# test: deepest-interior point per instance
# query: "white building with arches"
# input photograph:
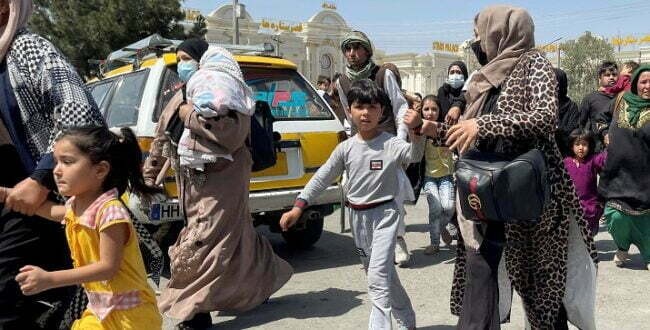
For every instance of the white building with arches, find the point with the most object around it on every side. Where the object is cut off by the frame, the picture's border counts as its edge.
(314, 45)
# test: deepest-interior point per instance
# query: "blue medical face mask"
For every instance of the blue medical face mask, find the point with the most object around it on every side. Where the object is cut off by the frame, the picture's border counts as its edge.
(456, 80)
(186, 69)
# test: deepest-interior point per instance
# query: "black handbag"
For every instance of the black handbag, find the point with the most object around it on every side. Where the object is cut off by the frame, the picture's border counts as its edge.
(495, 187)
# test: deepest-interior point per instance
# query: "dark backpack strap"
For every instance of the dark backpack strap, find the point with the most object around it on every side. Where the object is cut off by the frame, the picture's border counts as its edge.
(184, 90)
(346, 83)
(380, 76)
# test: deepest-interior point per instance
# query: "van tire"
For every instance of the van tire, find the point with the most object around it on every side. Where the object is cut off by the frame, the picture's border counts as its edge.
(305, 237)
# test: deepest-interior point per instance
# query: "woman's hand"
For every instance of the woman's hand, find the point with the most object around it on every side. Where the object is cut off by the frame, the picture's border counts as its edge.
(26, 197)
(33, 280)
(412, 119)
(290, 218)
(463, 135)
(452, 116)
(185, 110)
(429, 128)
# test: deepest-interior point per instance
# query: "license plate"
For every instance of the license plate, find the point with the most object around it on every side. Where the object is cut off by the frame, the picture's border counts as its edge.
(165, 212)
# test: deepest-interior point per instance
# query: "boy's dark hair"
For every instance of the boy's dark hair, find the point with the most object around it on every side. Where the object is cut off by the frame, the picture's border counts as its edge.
(607, 66)
(418, 95)
(323, 79)
(365, 91)
(433, 98)
(122, 154)
(582, 135)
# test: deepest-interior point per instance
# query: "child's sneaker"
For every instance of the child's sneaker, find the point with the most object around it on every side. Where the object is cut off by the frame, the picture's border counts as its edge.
(431, 249)
(402, 255)
(620, 258)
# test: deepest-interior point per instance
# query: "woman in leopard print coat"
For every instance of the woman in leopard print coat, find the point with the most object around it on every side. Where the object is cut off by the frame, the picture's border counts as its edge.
(551, 264)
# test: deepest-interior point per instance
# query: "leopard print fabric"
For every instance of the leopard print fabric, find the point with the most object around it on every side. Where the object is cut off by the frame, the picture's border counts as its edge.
(535, 255)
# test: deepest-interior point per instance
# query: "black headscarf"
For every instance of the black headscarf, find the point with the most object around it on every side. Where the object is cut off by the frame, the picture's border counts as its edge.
(450, 97)
(568, 113)
(194, 47)
(462, 66)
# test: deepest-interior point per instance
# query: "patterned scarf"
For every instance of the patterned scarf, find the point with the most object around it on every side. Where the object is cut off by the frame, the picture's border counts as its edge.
(361, 74)
(635, 103)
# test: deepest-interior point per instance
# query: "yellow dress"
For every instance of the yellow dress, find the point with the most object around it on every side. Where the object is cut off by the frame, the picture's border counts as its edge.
(439, 161)
(126, 301)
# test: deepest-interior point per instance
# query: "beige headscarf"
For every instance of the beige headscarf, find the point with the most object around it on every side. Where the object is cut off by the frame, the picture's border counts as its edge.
(506, 33)
(19, 13)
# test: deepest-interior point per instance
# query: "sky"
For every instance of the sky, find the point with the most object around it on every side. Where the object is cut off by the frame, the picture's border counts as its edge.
(397, 26)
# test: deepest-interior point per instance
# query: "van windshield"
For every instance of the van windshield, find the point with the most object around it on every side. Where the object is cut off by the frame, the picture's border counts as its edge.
(288, 94)
(119, 98)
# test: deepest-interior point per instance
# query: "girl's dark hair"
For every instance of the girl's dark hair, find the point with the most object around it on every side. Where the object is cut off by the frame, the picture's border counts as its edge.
(435, 100)
(122, 154)
(365, 91)
(585, 135)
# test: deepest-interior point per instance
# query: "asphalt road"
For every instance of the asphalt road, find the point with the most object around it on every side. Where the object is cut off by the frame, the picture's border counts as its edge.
(328, 289)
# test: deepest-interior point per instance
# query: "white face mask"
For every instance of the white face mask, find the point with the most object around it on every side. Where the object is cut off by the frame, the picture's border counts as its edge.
(456, 80)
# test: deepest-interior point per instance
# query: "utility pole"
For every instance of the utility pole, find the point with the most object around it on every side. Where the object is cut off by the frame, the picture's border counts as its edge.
(559, 64)
(235, 22)
(277, 44)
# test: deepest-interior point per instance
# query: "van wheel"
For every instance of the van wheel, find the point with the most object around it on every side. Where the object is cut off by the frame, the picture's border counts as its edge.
(305, 237)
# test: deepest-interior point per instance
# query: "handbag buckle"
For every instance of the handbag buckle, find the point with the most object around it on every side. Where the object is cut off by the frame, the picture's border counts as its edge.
(474, 202)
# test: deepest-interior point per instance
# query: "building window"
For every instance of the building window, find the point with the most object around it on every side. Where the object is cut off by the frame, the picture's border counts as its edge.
(325, 62)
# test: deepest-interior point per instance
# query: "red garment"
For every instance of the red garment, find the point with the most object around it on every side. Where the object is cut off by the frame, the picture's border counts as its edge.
(623, 83)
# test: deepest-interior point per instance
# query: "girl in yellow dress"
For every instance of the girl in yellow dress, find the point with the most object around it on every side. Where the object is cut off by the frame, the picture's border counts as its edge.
(94, 167)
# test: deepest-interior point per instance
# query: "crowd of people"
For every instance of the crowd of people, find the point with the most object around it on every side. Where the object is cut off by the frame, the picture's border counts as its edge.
(62, 163)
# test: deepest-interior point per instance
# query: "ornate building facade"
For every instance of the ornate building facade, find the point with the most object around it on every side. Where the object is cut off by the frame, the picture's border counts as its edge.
(314, 45)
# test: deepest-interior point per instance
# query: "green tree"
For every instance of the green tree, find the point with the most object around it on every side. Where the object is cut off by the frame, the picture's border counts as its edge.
(199, 29)
(581, 60)
(90, 29)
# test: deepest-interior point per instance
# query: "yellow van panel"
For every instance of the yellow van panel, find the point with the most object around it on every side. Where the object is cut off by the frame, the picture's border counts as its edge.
(281, 184)
(169, 183)
(317, 147)
(265, 61)
(280, 167)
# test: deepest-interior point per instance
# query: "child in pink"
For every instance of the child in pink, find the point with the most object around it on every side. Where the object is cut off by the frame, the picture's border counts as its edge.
(583, 167)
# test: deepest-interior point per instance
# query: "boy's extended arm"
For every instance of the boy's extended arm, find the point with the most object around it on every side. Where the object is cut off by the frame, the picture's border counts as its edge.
(325, 176)
(410, 152)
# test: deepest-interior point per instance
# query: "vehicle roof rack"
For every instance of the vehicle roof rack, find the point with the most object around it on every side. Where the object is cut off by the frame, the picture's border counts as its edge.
(155, 46)
(266, 48)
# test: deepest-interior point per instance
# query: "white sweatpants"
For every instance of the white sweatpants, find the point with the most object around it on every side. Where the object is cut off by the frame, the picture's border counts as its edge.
(374, 231)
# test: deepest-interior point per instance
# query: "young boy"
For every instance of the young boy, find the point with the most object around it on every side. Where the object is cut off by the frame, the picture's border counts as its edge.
(596, 103)
(370, 159)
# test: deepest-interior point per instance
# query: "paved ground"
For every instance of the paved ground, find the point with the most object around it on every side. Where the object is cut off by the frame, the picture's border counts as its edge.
(328, 290)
